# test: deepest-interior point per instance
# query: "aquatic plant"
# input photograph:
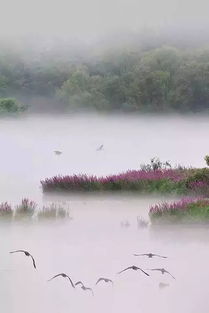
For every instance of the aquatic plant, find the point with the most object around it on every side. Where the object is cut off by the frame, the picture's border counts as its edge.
(186, 208)
(158, 180)
(52, 211)
(5, 209)
(141, 222)
(26, 207)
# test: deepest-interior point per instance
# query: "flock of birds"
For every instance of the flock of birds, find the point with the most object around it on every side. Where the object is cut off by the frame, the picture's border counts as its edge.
(100, 148)
(103, 279)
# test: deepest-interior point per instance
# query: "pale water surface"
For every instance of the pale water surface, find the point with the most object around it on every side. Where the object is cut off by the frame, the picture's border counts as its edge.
(94, 242)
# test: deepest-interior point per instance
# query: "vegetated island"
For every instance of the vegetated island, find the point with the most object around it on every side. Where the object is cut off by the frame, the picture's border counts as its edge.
(156, 177)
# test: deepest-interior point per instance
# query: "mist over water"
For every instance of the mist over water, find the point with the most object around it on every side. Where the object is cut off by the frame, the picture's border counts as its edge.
(28, 146)
(94, 242)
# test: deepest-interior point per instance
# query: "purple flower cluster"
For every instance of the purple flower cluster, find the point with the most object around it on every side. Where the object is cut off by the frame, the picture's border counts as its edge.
(177, 206)
(198, 185)
(5, 208)
(76, 182)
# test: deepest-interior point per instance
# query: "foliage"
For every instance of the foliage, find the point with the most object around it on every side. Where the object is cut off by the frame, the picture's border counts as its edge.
(10, 105)
(207, 159)
(155, 164)
(157, 78)
(159, 180)
(5, 209)
(26, 207)
(186, 209)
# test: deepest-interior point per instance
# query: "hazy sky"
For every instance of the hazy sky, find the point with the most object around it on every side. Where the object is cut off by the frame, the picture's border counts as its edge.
(92, 17)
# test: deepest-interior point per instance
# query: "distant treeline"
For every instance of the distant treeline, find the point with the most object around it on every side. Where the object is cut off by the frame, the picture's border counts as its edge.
(153, 79)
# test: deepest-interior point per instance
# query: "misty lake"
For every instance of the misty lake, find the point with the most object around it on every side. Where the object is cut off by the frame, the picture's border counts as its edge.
(102, 233)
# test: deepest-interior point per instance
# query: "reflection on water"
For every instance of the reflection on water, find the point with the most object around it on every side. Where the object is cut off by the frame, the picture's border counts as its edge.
(104, 231)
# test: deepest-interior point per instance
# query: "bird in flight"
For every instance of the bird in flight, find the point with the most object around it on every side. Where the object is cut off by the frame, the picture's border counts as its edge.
(84, 287)
(135, 268)
(162, 270)
(27, 254)
(151, 255)
(65, 276)
(106, 280)
(57, 152)
(100, 148)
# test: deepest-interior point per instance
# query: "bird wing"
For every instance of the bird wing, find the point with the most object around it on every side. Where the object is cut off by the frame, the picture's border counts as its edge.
(170, 274)
(55, 276)
(18, 251)
(100, 279)
(140, 254)
(89, 290)
(79, 283)
(71, 281)
(128, 268)
(34, 263)
(143, 271)
(155, 269)
(160, 256)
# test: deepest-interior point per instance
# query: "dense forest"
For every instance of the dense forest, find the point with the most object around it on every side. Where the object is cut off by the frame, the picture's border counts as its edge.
(146, 78)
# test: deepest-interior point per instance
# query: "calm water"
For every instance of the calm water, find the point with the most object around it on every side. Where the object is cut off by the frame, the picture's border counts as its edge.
(94, 242)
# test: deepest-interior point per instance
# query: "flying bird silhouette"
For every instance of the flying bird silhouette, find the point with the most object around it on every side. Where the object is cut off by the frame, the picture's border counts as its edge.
(83, 287)
(151, 255)
(162, 270)
(100, 148)
(135, 268)
(65, 276)
(27, 254)
(106, 280)
(79, 283)
(57, 152)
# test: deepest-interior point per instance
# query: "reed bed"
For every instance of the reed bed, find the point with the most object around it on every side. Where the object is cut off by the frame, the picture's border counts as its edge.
(141, 180)
(182, 181)
(28, 209)
(190, 209)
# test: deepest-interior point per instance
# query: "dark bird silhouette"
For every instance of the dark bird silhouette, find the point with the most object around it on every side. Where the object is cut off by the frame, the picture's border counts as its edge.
(135, 268)
(83, 287)
(65, 276)
(151, 255)
(100, 148)
(87, 288)
(27, 254)
(79, 283)
(162, 270)
(106, 280)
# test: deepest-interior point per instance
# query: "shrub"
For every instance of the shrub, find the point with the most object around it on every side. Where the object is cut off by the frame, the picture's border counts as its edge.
(10, 105)
(207, 159)
(155, 164)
